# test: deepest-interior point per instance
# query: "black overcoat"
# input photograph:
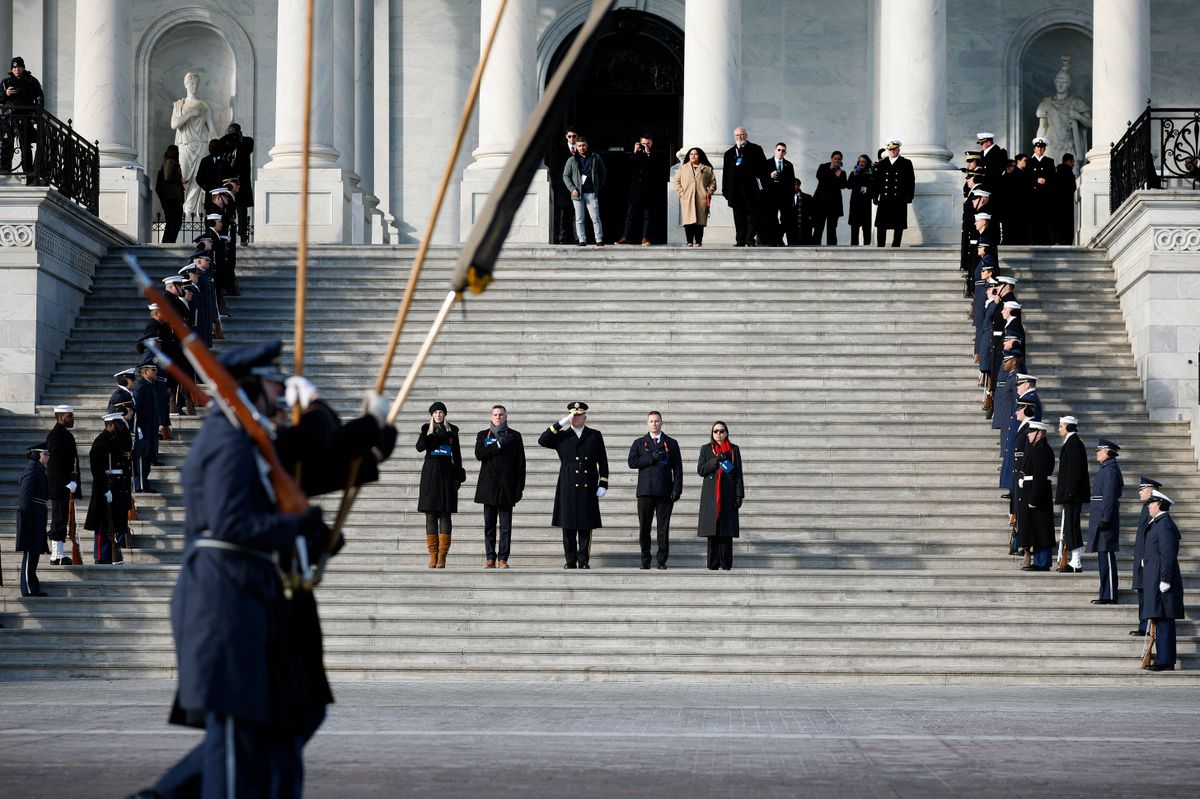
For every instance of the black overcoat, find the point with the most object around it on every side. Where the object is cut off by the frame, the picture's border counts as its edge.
(441, 473)
(501, 467)
(32, 510)
(1104, 513)
(647, 173)
(63, 467)
(733, 490)
(583, 467)
(1073, 488)
(239, 164)
(1037, 529)
(862, 192)
(829, 190)
(105, 456)
(895, 187)
(326, 449)
(741, 183)
(1162, 566)
(660, 466)
(1139, 545)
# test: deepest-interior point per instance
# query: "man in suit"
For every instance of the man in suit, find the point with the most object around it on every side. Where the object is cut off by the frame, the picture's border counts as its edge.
(501, 455)
(564, 209)
(645, 175)
(802, 218)
(660, 483)
(1164, 581)
(1146, 489)
(582, 481)
(1041, 194)
(779, 198)
(239, 164)
(211, 169)
(63, 475)
(831, 180)
(742, 177)
(1074, 489)
(1104, 519)
(897, 185)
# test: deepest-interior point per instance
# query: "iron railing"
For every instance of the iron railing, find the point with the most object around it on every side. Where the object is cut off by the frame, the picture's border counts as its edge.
(193, 225)
(60, 157)
(1160, 150)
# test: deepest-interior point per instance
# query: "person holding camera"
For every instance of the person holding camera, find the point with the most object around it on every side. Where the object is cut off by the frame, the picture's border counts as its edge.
(19, 90)
(831, 179)
(644, 171)
(441, 475)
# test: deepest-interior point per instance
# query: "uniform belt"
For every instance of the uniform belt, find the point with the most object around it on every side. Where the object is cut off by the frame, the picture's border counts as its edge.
(228, 546)
(114, 471)
(40, 501)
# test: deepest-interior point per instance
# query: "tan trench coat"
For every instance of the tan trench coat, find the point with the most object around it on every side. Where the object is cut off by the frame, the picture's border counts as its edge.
(692, 188)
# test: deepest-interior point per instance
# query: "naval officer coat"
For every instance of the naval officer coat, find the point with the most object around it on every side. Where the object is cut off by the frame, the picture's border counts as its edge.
(583, 467)
(1104, 513)
(895, 186)
(1162, 566)
(1139, 545)
(33, 510)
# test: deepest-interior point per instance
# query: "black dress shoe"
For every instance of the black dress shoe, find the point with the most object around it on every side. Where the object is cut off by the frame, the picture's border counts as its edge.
(645, 566)
(1104, 601)
(39, 593)
(1033, 568)
(1161, 667)
(569, 566)
(662, 566)
(1137, 632)
(1069, 570)
(584, 566)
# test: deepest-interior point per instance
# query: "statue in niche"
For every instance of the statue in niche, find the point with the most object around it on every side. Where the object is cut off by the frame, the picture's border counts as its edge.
(192, 121)
(1063, 119)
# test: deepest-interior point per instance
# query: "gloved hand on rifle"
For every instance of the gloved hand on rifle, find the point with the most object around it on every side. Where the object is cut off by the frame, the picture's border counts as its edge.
(316, 533)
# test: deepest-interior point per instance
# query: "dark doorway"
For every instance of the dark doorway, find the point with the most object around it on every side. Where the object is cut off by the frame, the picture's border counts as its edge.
(633, 86)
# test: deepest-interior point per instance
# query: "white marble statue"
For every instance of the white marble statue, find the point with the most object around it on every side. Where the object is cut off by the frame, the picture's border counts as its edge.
(192, 121)
(1063, 119)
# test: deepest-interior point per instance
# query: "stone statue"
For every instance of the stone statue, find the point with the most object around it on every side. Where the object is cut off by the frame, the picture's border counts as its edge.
(1063, 119)
(192, 121)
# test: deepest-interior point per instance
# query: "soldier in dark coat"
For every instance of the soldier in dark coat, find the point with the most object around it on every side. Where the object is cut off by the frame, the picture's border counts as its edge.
(1104, 519)
(501, 455)
(126, 378)
(659, 464)
(63, 474)
(744, 170)
(441, 475)
(896, 186)
(582, 481)
(1073, 491)
(721, 496)
(146, 424)
(1041, 194)
(32, 514)
(201, 319)
(108, 511)
(992, 160)
(1014, 199)
(1037, 497)
(1163, 602)
(1146, 488)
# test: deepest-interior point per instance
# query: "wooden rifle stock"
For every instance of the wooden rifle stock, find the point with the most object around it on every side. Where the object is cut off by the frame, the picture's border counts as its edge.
(178, 375)
(76, 555)
(1151, 636)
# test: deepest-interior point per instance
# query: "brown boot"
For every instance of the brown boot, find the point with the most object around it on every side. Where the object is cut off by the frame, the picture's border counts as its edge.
(431, 543)
(443, 548)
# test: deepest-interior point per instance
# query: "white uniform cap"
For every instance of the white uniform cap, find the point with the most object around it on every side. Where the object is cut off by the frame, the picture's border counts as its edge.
(980, 193)
(982, 136)
(130, 371)
(63, 409)
(169, 279)
(1039, 140)
(1023, 378)
(1160, 495)
(1039, 426)
(111, 417)
(1068, 420)
(152, 306)
(983, 215)
(1012, 306)
(892, 143)
(214, 217)
(1012, 281)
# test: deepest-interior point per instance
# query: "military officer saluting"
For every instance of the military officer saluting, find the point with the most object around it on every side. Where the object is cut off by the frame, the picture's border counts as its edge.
(1104, 519)
(896, 185)
(1146, 489)
(1163, 581)
(582, 481)
(108, 511)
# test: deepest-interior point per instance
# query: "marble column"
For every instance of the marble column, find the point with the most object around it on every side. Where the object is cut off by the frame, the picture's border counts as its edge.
(103, 110)
(344, 58)
(1121, 87)
(912, 108)
(277, 204)
(6, 30)
(364, 92)
(507, 96)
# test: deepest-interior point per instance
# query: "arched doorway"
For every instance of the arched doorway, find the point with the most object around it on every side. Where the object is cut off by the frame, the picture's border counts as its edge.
(633, 86)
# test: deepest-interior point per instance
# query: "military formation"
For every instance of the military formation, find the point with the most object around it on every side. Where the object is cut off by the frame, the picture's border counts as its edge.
(1002, 352)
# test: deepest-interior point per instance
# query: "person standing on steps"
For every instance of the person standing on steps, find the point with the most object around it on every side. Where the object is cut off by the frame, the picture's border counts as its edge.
(441, 475)
(584, 176)
(1104, 519)
(695, 184)
(1163, 602)
(582, 482)
(1073, 490)
(1146, 489)
(660, 483)
(1037, 496)
(861, 182)
(645, 174)
(831, 180)
(63, 474)
(108, 512)
(896, 186)
(742, 179)
(501, 455)
(778, 193)
(564, 215)
(721, 496)
(145, 437)
(32, 514)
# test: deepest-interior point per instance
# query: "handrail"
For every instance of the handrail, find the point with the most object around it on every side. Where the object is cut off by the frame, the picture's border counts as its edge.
(1160, 150)
(62, 158)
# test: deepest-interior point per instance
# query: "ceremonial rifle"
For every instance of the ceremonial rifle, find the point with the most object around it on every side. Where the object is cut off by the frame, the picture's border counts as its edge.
(1148, 651)
(178, 375)
(76, 555)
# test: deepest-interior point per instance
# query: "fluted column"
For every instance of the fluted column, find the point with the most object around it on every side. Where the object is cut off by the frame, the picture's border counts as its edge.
(712, 74)
(289, 86)
(1121, 87)
(364, 92)
(344, 63)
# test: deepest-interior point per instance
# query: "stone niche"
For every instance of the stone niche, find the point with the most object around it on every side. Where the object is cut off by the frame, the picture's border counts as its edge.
(1040, 62)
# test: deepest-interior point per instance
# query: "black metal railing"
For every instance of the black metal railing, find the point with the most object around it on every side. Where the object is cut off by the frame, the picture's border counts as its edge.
(193, 225)
(1161, 150)
(52, 154)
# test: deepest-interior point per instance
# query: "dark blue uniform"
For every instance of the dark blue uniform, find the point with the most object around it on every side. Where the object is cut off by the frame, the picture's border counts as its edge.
(1139, 553)
(1162, 566)
(32, 514)
(583, 467)
(660, 484)
(1104, 525)
(145, 438)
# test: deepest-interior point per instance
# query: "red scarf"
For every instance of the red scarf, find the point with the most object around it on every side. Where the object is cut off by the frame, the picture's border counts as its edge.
(718, 450)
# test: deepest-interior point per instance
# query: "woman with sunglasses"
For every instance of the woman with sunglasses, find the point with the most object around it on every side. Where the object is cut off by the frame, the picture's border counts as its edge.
(720, 496)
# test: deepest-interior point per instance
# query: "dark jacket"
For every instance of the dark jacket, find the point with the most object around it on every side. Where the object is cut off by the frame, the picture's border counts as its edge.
(860, 200)
(32, 510)
(106, 456)
(741, 183)
(120, 394)
(63, 467)
(326, 449)
(145, 408)
(239, 163)
(29, 90)
(1139, 545)
(1162, 566)
(660, 466)
(829, 191)
(210, 173)
(501, 467)
(993, 163)
(783, 188)
(583, 467)
(733, 490)
(442, 472)
(1073, 488)
(895, 186)
(1104, 514)
(1037, 495)
(168, 185)
(647, 173)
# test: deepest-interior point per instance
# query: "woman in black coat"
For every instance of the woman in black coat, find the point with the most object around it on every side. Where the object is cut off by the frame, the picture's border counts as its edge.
(168, 185)
(32, 515)
(441, 475)
(720, 496)
(861, 183)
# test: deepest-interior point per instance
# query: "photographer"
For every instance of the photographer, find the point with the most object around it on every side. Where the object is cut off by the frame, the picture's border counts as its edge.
(19, 90)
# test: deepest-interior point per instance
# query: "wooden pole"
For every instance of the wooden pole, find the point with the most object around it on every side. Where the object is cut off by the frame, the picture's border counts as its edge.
(302, 244)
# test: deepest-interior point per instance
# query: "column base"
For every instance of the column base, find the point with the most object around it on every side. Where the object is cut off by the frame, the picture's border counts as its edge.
(1094, 193)
(935, 216)
(331, 216)
(531, 225)
(125, 200)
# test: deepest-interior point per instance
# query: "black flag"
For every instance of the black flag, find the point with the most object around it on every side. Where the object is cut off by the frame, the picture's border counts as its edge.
(478, 256)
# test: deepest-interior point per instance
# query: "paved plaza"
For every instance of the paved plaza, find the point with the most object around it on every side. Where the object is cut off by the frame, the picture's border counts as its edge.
(96, 738)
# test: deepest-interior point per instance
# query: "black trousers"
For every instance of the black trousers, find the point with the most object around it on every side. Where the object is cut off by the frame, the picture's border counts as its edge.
(577, 546)
(173, 216)
(22, 130)
(897, 235)
(29, 578)
(720, 552)
(438, 524)
(694, 233)
(650, 508)
(491, 515)
(143, 458)
(243, 222)
(58, 519)
(866, 235)
(564, 221)
(640, 208)
(745, 223)
(1108, 574)
(831, 223)
(1072, 536)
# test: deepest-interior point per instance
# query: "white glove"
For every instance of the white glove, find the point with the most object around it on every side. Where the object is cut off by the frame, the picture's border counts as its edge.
(601, 491)
(108, 496)
(71, 486)
(862, 189)
(300, 390)
(565, 422)
(1164, 587)
(376, 407)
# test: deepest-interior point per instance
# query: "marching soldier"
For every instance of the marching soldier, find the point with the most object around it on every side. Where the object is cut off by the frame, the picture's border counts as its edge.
(32, 513)
(63, 474)
(501, 455)
(1164, 583)
(897, 185)
(1074, 489)
(1146, 489)
(582, 481)
(1037, 497)
(145, 433)
(659, 463)
(1104, 519)
(108, 511)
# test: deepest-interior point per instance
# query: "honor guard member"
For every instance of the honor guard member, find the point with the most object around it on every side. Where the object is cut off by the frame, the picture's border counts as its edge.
(1006, 292)
(897, 186)
(659, 466)
(1014, 328)
(1073, 491)
(145, 432)
(501, 455)
(206, 263)
(63, 473)
(1041, 194)
(1006, 391)
(108, 511)
(1037, 497)
(126, 378)
(201, 321)
(582, 481)
(1014, 464)
(1146, 487)
(1104, 519)
(1163, 602)
(992, 159)
(986, 270)
(32, 514)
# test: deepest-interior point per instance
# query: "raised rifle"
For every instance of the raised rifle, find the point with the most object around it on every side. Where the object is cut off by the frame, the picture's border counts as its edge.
(1148, 650)
(178, 375)
(76, 555)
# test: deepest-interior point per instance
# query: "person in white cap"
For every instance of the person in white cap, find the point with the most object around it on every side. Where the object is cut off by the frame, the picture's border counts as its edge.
(992, 159)
(1074, 490)
(1041, 194)
(1162, 579)
(1037, 495)
(1104, 519)
(146, 424)
(63, 474)
(108, 512)
(896, 185)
